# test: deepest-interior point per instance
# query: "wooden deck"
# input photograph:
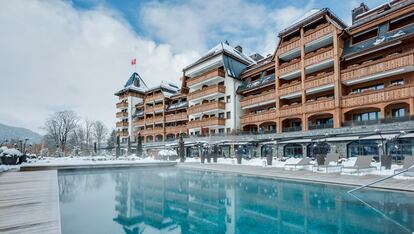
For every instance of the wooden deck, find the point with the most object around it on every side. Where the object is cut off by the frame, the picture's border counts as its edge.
(29, 202)
(303, 175)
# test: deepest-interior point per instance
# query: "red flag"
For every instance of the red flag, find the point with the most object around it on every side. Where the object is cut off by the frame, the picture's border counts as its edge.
(133, 61)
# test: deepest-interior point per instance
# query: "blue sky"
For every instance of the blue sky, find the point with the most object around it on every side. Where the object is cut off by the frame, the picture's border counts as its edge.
(75, 54)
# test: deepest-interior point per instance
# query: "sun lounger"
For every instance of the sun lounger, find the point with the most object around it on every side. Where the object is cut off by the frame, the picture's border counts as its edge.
(304, 162)
(331, 164)
(363, 163)
(408, 162)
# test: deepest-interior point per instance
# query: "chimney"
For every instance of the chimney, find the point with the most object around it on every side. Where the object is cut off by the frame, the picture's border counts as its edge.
(359, 10)
(239, 48)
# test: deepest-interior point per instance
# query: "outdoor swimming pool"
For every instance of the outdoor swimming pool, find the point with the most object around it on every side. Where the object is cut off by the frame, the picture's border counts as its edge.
(172, 200)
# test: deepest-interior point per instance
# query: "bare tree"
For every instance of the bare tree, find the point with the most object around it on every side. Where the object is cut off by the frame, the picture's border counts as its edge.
(99, 131)
(59, 126)
(88, 134)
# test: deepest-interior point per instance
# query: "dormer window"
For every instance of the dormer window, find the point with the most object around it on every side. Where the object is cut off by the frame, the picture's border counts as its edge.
(360, 37)
(401, 22)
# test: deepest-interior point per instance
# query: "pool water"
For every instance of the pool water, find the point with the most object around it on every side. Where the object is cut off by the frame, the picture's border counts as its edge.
(172, 200)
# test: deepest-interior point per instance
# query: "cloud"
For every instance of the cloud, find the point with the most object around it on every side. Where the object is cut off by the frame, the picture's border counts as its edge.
(56, 57)
(195, 23)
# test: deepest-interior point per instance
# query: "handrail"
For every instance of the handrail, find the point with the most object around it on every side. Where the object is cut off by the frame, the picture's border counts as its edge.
(382, 179)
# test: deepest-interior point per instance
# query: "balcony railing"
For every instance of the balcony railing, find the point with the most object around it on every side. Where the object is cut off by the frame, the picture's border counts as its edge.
(205, 77)
(122, 105)
(289, 67)
(155, 97)
(122, 133)
(257, 100)
(314, 34)
(213, 121)
(122, 124)
(378, 66)
(268, 115)
(156, 108)
(289, 45)
(204, 107)
(379, 121)
(319, 56)
(155, 120)
(176, 129)
(290, 110)
(320, 126)
(292, 129)
(122, 114)
(290, 88)
(176, 117)
(139, 122)
(319, 80)
(257, 83)
(207, 91)
(320, 105)
(378, 96)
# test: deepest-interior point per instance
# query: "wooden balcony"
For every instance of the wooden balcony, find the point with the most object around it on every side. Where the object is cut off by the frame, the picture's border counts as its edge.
(122, 124)
(320, 105)
(378, 96)
(289, 45)
(158, 131)
(318, 56)
(206, 122)
(206, 107)
(315, 34)
(176, 129)
(122, 105)
(155, 97)
(265, 116)
(378, 66)
(154, 120)
(205, 77)
(156, 108)
(122, 114)
(290, 110)
(139, 122)
(289, 67)
(257, 100)
(152, 131)
(207, 91)
(176, 117)
(122, 133)
(319, 80)
(290, 88)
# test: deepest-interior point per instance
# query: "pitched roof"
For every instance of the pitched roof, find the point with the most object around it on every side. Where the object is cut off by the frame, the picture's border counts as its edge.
(135, 84)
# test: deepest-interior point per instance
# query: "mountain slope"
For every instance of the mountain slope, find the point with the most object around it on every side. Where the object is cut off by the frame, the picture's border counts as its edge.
(10, 132)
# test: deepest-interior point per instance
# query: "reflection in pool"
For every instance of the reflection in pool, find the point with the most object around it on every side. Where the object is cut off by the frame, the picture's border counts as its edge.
(171, 200)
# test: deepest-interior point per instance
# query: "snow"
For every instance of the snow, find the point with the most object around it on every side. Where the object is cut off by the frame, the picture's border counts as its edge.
(222, 46)
(11, 152)
(305, 16)
(167, 153)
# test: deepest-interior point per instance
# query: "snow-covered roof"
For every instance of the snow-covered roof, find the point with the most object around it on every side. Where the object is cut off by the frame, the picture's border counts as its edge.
(134, 83)
(223, 47)
(11, 152)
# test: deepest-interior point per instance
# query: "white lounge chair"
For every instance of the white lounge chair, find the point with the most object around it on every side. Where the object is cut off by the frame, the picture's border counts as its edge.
(330, 165)
(362, 164)
(303, 163)
(408, 162)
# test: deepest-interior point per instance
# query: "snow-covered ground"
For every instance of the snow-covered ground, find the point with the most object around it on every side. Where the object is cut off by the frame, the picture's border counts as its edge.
(260, 162)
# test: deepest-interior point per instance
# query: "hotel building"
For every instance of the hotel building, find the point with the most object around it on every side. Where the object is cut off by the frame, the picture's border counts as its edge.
(324, 78)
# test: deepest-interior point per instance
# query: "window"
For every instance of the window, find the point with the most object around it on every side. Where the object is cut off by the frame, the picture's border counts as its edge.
(212, 131)
(221, 99)
(293, 150)
(364, 36)
(228, 130)
(364, 147)
(221, 83)
(228, 115)
(367, 116)
(401, 22)
(399, 112)
(228, 99)
(368, 88)
(221, 130)
(221, 115)
(397, 82)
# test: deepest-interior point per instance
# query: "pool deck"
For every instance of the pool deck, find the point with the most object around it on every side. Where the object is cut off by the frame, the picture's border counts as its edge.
(303, 175)
(92, 165)
(29, 202)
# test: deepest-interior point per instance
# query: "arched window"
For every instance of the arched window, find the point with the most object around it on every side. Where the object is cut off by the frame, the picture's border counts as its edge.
(293, 150)
(364, 147)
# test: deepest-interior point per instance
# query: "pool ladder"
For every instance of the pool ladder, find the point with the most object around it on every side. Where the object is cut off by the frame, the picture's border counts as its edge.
(350, 192)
